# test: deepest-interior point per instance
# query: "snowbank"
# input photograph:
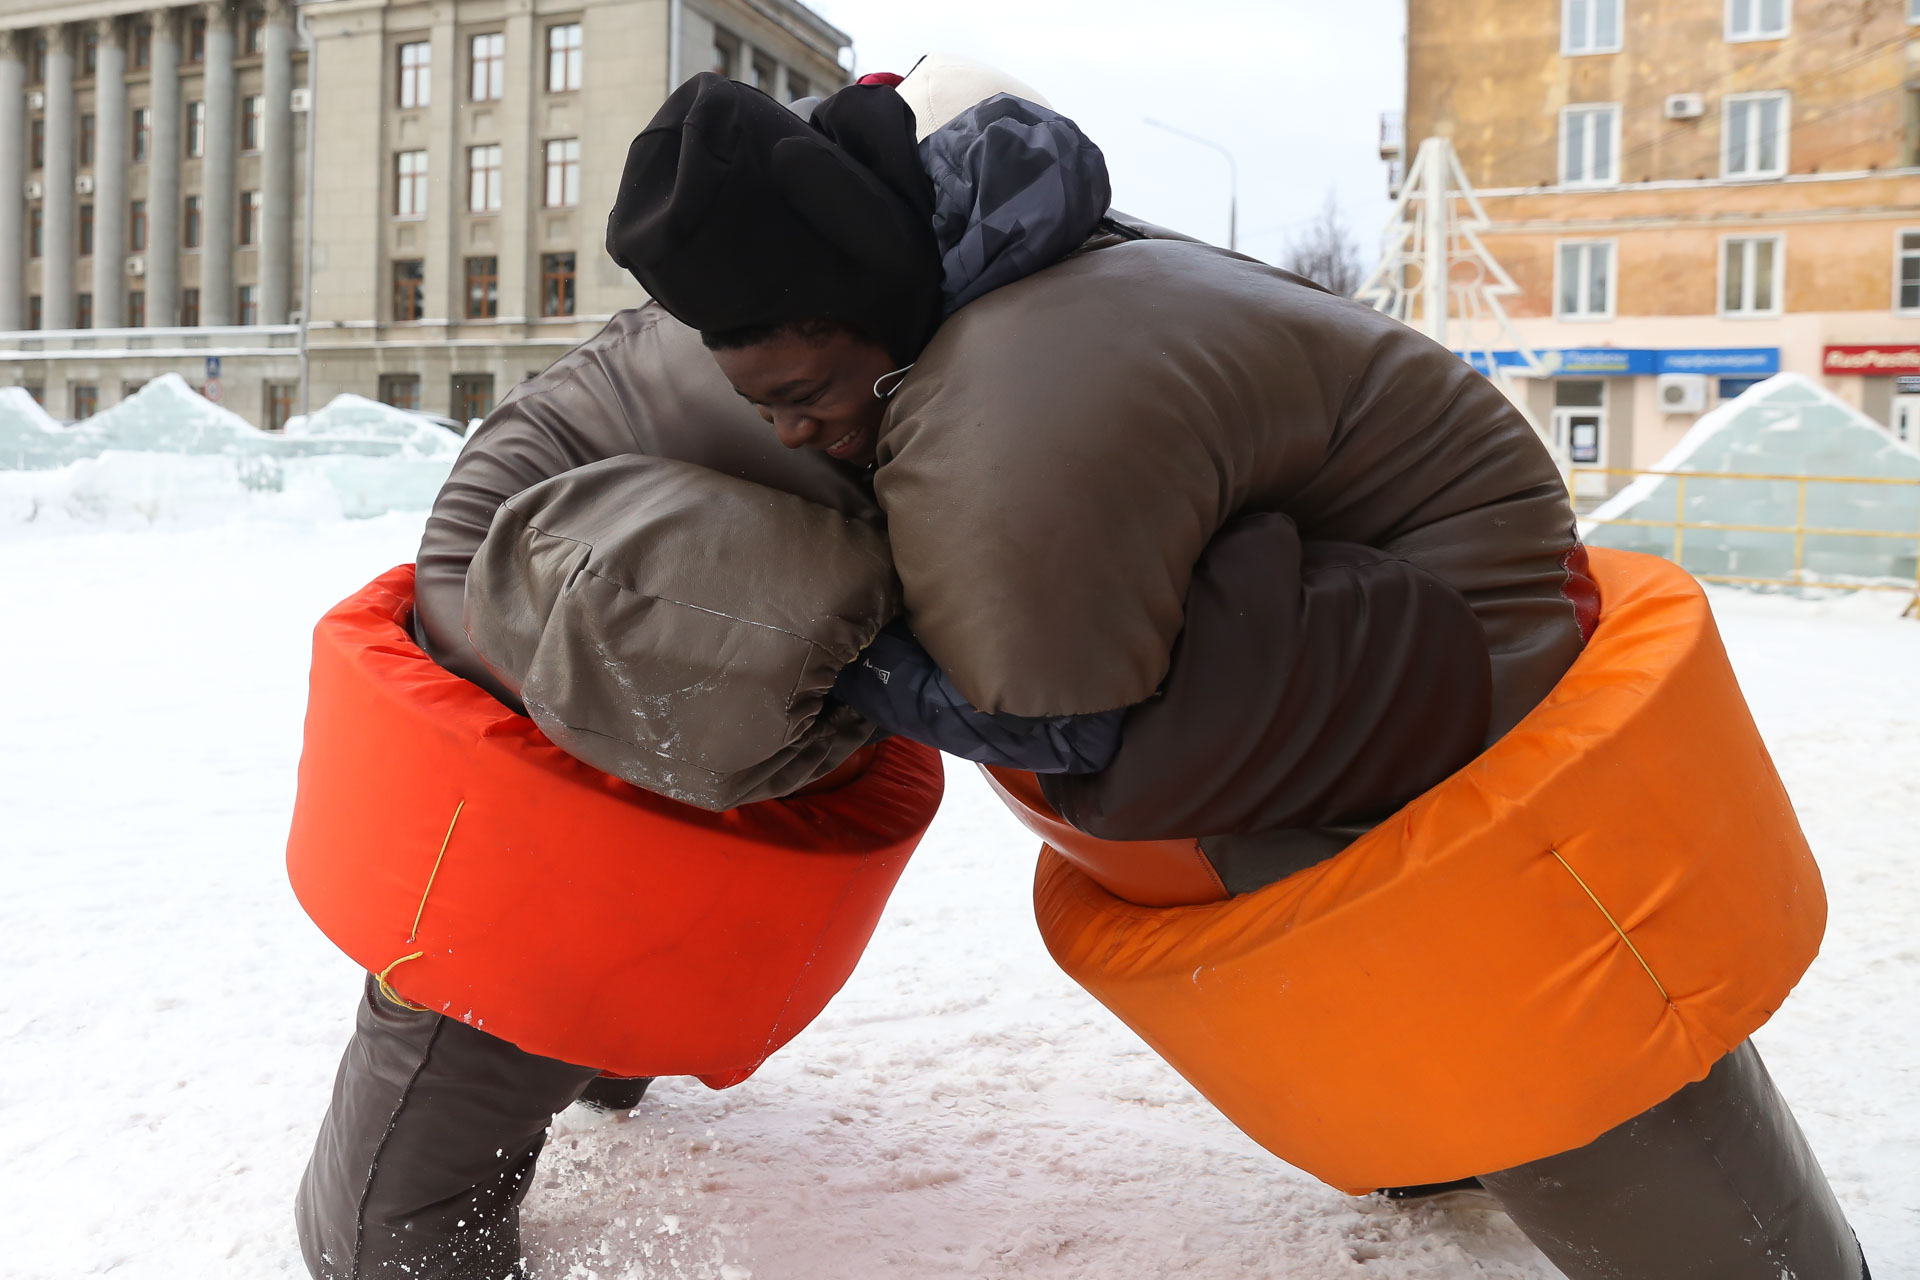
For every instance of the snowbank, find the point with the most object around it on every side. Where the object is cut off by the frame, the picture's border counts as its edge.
(167, 455)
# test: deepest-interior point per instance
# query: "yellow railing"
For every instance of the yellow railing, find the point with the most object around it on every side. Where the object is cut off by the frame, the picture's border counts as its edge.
(1800, 529)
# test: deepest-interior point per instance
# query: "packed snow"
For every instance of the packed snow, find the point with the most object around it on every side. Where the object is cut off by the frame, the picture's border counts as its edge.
(172, 1021)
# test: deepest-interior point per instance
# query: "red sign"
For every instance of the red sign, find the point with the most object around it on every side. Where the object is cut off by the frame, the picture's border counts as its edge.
(212, 390)
(1874, 362)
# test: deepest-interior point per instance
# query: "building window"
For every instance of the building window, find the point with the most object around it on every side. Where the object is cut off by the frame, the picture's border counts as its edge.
(90, 52)
(472, 395)
(190, 224)
(38, 390)
(142, 134)
(253, 31)
(253, 121)
(556, 284)
(249, 217)
(483, 288)
(196, 129)
(83, 311)
(86, 399)
(36, 231)
(1585, 280)
(410, 184)
(137, 226)
(1580, 420)
(1590, 145)
(726, 52)
(1913, 10)
(136, 309)
(87, 134)
(563, 173)
(798, 88)
(37, 143)
(1758, 19)
(190, 308)
(401, 390)
(279, 404)
(489, 55)
(761, 73)
(86, 233)
(196, 40)
(142, 46)
(483, 179)
(1753, 133)
(33, 314)
(1750, 275)
(249, 300)
(563, 58)
(416, 74)
(1907, 271)
(409, 289)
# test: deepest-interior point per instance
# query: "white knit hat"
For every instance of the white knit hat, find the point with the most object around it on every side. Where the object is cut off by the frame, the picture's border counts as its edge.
(942, 85)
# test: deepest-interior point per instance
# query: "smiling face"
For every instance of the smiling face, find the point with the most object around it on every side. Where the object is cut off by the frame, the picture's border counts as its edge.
(815, 385)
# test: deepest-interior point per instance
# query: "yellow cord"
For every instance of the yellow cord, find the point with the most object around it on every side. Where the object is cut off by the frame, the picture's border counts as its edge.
(1657, 985)
(386, 989)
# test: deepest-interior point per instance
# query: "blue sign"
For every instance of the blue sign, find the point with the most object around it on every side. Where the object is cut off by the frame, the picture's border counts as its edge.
(1747, 362)
(213, 367)
(1635, 362)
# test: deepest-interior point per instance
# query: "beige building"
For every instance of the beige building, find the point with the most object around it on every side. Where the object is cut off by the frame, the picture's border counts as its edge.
(464, 154)
(1690, 194)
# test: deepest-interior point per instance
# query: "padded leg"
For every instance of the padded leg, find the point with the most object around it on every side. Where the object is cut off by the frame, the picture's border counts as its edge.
(427, 1150)
(1715, 1183)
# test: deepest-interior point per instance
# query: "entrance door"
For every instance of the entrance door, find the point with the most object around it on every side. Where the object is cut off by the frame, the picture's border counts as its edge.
(1906, 419)
(1580, 431)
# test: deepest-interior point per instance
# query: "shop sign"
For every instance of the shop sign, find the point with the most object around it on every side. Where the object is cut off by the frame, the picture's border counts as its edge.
(1907, 384)
(1873, 362)
(1749, 362)
(1631, 362)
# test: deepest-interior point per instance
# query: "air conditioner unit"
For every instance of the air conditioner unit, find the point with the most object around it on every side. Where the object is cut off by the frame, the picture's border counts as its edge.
(35, 189)
(136, 265)
(302, 99)
(1686, 106)
(36, 101)
(83, 185)
(1681, 392)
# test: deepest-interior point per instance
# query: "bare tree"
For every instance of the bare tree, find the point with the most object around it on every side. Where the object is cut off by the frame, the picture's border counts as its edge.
(1324, 251)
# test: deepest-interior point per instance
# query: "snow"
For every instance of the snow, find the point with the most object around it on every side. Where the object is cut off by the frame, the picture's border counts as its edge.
(172, 1022)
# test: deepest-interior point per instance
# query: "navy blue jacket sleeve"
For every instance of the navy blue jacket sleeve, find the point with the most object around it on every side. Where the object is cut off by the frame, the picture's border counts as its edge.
(896, 685)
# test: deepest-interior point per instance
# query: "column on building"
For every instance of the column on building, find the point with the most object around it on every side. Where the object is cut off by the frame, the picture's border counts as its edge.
(110, 176)
(445, 282)
(163, 174)
(523, 175)
(13, 179)
(782, 88)
(220, 198)
(276, 184)
(57, 243)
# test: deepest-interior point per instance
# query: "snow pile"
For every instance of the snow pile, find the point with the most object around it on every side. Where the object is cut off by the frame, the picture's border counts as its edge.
(167, 455)
(1787, 425)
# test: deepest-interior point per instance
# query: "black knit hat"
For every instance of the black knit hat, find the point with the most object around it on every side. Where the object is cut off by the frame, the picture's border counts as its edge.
(735, 213)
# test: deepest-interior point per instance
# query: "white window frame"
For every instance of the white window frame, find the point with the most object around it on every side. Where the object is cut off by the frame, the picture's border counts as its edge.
(566, 57)
(1900, 254)
(1740, 101)
(1562, 426)
(415, 86)
(1612, 178)
(1779, 277)
(486, 66)
(1612, 248)
(560, 160)
(484, 184)
(410, 188)
(1567, 46)
(1754, 7)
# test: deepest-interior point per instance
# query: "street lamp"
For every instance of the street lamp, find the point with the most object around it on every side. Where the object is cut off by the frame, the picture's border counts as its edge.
(1233, 171)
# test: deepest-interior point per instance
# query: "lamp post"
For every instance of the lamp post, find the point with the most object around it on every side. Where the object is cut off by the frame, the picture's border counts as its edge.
(1233, 172)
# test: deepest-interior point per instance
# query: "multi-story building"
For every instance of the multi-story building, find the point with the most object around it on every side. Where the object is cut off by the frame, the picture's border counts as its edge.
(155, 172)
(1690, 195)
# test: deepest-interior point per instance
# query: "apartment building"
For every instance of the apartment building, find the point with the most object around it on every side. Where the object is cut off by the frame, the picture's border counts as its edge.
(154, 172)
(1691, 195)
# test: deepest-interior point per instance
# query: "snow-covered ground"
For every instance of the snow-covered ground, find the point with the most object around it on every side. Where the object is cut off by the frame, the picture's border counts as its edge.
(171, 1022)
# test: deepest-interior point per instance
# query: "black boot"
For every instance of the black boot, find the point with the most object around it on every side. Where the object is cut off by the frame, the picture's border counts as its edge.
(1715, 1183)
(615, 1093)
(1427, 1190)
(427, 1150)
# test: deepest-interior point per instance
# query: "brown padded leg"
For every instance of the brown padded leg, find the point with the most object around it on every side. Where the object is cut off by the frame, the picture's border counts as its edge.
(1715, 1183)
(427, 1150)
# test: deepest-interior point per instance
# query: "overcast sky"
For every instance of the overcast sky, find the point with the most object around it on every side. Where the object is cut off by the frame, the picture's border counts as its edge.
(1294, 88)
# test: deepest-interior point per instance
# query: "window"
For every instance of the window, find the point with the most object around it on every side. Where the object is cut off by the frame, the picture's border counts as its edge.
(279, 404)
(409, 290)
(1906, 278)
(83, 311)
(401, 390)
(410, 184)
(33, 315)
(1589, 145)
(190, 308)
(563, 173)
(1758, 19)
(1753, 135)
(1913, 10)
(136, 226)
(563, 58)
(136, 309)
(726, 52)
(1750, 275)
(196, 128)
(37, 143)
(249, 300)
(142, 134)
(489, 53)
(249, 217)
(798, 88)
(90, 52)
(197, 40)
(472, 395)
(253, 121)
(253, 28)
(36, 231)
(1584, 290)
(1580, 420)
(483, 179)
(416, 74)
(556, 284)
(86, 398)
(761, 73)
(142, 46)
(483, 289)
(38, 390)
(87, 135)
(190, 224)
(86, 233)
